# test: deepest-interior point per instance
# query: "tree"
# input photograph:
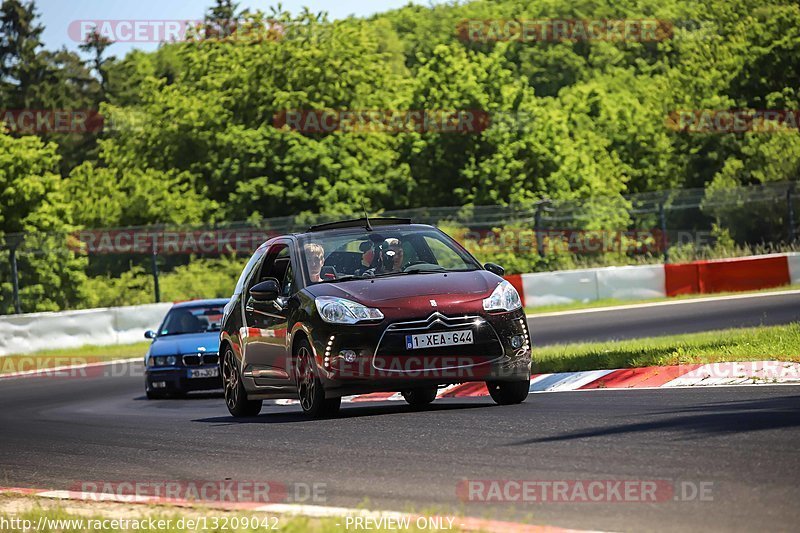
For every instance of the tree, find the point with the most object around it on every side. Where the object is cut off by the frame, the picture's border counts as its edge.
(96, 45)
(31, 193)
(21, 65)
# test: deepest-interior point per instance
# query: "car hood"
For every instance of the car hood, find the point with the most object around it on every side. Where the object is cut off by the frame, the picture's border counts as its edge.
(450, 287)
(186, 344)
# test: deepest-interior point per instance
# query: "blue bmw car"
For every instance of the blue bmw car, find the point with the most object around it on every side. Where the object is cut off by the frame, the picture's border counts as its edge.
(184, 355)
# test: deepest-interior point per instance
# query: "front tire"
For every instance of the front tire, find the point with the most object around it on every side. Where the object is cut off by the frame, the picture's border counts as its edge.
(508, 392)
(420, 397)
(309, 387)
(235, 395)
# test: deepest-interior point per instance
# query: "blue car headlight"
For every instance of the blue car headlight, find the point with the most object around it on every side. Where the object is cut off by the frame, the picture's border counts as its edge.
(162, 360)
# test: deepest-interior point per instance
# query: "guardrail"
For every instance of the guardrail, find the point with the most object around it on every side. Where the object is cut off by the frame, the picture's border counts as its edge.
(658, 281)
(20, 334)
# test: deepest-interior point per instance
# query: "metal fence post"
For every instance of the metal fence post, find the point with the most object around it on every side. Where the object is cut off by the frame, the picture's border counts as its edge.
(154, 263)
(537, 225)
(15, 278)
(790, 209)
(662, 216)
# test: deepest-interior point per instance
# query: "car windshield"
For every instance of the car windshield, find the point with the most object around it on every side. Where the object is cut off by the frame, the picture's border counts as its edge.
(196, 319)
(341, 255)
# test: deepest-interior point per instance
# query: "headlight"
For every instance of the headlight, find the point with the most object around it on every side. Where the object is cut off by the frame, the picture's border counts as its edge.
(340, 311)
(504, 298)
(161, 360)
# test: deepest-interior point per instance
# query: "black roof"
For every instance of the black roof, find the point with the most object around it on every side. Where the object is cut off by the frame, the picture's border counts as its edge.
(360, 223)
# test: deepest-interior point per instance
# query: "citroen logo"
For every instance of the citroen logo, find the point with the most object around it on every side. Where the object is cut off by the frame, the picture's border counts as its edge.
(433, 303)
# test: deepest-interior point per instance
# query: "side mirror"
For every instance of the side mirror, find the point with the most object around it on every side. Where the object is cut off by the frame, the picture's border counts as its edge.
(266, 291)
(495, 269)
(149, 334)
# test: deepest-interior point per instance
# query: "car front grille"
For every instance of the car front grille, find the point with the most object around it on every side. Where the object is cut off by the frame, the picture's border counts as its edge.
(201, 359)
(392, 344)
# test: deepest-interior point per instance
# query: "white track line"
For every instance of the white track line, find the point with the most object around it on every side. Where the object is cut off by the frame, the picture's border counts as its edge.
(665, 303)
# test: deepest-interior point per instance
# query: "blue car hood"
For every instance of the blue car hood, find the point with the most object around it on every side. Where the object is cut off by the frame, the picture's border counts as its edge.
(186, 344)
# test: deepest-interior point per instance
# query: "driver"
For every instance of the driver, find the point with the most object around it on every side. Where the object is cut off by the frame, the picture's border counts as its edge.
(392, 255)
(315, 257)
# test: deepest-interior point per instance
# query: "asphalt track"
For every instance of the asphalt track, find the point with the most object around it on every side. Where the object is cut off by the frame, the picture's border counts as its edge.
(669, 318)
(740, 441)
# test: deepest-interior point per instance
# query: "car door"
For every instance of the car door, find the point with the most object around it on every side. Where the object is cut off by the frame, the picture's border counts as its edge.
(266, 322)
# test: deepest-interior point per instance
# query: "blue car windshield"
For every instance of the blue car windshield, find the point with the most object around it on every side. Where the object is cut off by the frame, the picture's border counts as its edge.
(199, 319)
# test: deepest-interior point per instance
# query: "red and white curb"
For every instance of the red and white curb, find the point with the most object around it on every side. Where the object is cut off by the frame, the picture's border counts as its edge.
(311, 511)
(692, 375)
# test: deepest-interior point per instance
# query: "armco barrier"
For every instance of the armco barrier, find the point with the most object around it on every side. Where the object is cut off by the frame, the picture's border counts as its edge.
(20, 334)
(631, 282)
(746, 274)
(566, 286)
(741, 274)
(794, 267)
(655, 281)
(563, 286)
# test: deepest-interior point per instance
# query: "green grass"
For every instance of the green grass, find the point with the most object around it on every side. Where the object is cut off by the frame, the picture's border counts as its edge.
(746, 344)
(70, 356)
(612, 302)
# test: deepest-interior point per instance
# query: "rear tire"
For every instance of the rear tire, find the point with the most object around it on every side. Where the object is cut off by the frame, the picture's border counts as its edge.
(235, 395)
(508, 392)
(420, 397)
(309, 388)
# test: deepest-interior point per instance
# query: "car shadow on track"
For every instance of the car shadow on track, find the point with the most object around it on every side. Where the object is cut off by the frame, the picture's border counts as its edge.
(700, 421)
(346, 412)
(188, 397)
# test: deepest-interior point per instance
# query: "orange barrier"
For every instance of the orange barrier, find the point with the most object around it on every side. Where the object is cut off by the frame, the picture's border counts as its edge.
(746, 274)
(681, 279)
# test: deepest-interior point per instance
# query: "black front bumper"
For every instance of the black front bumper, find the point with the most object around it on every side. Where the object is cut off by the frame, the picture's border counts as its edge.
(384, 364)
(177, 380)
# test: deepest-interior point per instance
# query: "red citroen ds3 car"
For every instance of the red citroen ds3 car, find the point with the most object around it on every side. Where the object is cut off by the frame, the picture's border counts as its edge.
(370, 305)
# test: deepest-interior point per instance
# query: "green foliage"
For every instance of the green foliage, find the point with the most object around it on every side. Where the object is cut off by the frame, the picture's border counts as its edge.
(748, 344)
(32, 196)
(201, 278)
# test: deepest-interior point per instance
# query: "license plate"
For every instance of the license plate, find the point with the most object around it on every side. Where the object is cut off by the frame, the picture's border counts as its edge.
(442, 338)
(203, 373)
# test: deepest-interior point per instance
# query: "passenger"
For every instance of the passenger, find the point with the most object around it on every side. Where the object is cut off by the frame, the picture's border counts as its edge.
(392, 255)
(315, 258)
